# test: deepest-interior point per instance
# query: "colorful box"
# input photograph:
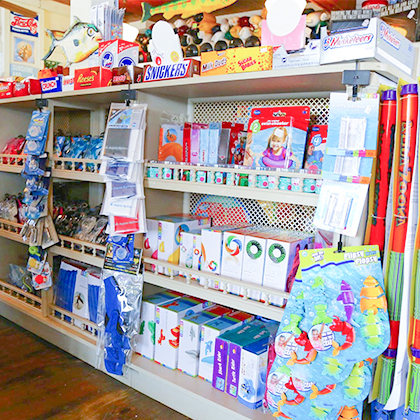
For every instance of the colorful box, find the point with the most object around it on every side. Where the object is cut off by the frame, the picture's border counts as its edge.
(228, 355)
(315, 149)
(92, 77)
(232, 258)
(188, 68)
(209, 333)
(309, 56)
(213, 63)
(146, 339)
(251, 387)
(282, 261)
(118, 53)
(171, 143)
(52, 84)
(377, 41)
(190, 250)
(26, 87)
(169, 236)
(240, 60)
(150, 241)
(190, 337)
(211, 250)
(168, 319)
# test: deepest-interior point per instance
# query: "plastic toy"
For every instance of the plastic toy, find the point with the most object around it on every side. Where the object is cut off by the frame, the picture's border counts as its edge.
(79, 42)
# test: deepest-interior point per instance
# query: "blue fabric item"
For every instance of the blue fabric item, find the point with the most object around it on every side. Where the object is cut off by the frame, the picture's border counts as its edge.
(116, 343)
(64, 290)
(93, 297)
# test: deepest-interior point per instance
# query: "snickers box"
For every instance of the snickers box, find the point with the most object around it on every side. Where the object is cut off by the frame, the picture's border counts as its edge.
(127, 74)
(51, 84)
(118, 53)
(6, 89)
(92, 77)
(187, 68)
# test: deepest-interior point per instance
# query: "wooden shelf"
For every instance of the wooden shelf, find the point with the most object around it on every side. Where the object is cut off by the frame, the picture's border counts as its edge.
(188, 286)
(9, 163)
(11, 230)
(76, 169)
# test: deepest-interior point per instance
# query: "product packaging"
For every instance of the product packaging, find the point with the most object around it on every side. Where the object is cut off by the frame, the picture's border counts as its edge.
(188, 68)
(240, 60)
(118, 53)
(92, 77)
(315, 148)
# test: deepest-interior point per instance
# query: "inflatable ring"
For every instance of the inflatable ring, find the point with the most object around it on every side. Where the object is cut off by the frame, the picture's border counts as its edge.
(254, 255)
(271, 255)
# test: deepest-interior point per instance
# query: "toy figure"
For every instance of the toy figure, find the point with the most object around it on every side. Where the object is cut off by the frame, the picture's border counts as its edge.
(314, 22)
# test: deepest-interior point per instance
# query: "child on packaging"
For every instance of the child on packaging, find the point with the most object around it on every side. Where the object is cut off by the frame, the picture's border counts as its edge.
(277, 154)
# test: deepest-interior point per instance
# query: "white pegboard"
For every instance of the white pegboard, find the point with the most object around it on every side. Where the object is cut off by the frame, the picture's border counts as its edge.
(229, 210)
(240, 111)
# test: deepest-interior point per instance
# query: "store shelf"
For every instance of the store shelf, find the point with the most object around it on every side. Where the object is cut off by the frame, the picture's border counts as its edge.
(76, 169)
(82, 251)
(19, 298)
(11, 230)
(10, 163)
(324, 78)
(192, 287)
(192, 186)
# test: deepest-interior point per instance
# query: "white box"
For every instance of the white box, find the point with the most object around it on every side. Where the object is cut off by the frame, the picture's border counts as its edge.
(169, 237)
(378, 41)
(209, 333)
(145, 340)
(251, 388)
(117, 53)
(150, 241)
(168, 319)
(190, 338)
(211, 247)
(190, 250)
(282, 261)
(67, 83)
(309, 56)
(232, 258)
(254, 261)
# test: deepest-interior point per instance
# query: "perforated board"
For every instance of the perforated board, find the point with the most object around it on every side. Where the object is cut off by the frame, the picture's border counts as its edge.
(229, 210)
(72, 122)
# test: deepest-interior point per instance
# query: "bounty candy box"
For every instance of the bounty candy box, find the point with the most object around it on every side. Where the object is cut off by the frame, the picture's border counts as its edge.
(145, 340)
(168, 319)
(209, 333)
(190, 332)
(227, 355)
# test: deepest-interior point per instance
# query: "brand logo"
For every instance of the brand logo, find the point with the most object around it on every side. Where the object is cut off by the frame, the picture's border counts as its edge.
(317, 140)
(126, 61)
(389, 37)
(108, 60)
(85, 79)
(168, 71)
(19, 86)
(24, 25)
(49, 85)
(257, 112)
(340, 41)
(119, 79)
(68, 82)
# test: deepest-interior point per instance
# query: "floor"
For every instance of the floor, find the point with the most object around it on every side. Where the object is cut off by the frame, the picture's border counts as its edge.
(41, 382)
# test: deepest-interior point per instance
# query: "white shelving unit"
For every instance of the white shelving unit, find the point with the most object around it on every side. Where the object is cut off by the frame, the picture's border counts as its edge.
(191, 396)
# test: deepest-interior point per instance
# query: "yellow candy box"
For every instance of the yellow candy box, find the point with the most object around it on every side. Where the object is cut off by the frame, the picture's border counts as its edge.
(242, 60)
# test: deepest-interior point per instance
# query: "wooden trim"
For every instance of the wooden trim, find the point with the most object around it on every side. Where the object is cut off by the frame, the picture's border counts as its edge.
(17, 9)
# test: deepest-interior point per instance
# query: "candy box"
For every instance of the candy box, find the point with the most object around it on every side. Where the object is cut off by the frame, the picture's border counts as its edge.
(68, 83)
(214, 63)
(240, 60)
(169, 236)
(253, 373)
(92, 77)
(52, 84)
(168, 319)
(309, 56)
(187, 68)
(228, 355)
(145, 340)
(118, 53)
(127, 74)
(377, 41)
(190, 334)
(27, 87)
(209, 333)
